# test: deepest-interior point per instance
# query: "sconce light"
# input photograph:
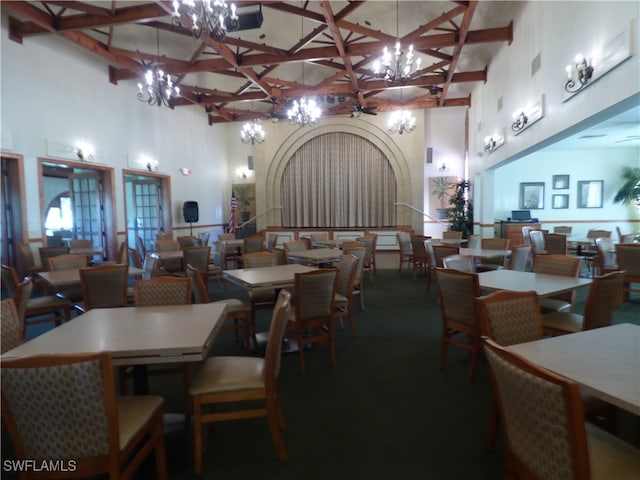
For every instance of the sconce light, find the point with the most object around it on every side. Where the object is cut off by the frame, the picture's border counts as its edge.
(185, 171)
(84, 152)
(523, 118)
(578, 76)
(442, 167)
(493, 142)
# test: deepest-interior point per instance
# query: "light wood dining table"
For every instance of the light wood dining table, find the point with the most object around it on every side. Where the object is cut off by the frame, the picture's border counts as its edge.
(483, 252)
(71, 276)
(543, 284)
(605, 361)
(316, 256)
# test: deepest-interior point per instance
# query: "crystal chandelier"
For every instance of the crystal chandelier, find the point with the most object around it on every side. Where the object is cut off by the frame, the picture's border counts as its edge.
(303, 112)
(401, 121)
(252, 132)
(158, 88)
(211, 17)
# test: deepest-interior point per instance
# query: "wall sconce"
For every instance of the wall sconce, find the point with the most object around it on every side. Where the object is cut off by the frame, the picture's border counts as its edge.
(185, 171)
(578, 76)
(442, 167)
(84, 152)
(523, 118)
(493, 142)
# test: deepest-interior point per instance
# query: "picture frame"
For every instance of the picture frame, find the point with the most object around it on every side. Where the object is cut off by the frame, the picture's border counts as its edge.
(590, 193)
(532, 195)
(560, 201)
(560, 182)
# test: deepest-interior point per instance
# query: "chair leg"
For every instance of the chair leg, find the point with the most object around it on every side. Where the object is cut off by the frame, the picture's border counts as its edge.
(443, 348)
(299, 340)
(160, 455)
(197, 435)
(273, 415)
(475, 348)
(494, 420)
(332, 345)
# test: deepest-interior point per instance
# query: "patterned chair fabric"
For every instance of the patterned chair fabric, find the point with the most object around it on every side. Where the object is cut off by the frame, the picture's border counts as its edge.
(48, 252)
(21, 298)
(253, 244)
(457, 292)
(419, 256)
(369, 242)
(451, 235)
(199, 258)
(556, 243)
(459, 262)
(28, 261)
(164, 236)
(67, 262)
(226, 236)
(561, 265)
(441, 251)
(404, 244)
(358, 285)
(312, 314)
(104, 286)
(187, 241)
(343, 300)
(520, 257)
(628, 257)
(60, 407)
(162, 291)
(493, 263)
(11, 326)
(259, 259)
(80, 243)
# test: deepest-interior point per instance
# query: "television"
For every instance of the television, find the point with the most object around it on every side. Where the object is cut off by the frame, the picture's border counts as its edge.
(520, 215)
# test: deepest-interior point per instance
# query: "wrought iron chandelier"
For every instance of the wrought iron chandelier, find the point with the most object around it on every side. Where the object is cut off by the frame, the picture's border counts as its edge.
(401, 121)
(252, 132)
(400, 66)
(211, 17)
(159, 87)
(304, 112)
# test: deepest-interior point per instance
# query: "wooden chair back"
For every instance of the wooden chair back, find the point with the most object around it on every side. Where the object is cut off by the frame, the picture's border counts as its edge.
(451, 235)
(167, 245)
(509, 317)
(603, 299)
(67, 262)
(520, 257)
(197, 257)
(47, 252)
(104, 286)
(537, 240)
(164, 235)
(459, 262)
(199, 288)
(474, 241)
(442, 251)
(253, 244)
(561, 265)
(226, 236)
(134, 258)
(80, 243)
(260, 259)
(11, 326)
(562, 229)
(188, 241)
(495, 243)
(555, 243)
(162, 291)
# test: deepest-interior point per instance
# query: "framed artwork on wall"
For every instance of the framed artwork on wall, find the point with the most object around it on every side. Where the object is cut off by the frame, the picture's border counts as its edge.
(590, 193)
(560, 201)
(560, 182)
(532, 195)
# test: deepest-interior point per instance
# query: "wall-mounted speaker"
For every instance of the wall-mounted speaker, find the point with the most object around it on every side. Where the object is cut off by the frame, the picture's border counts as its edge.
(250, 162)
(190, 211)
(429, 155)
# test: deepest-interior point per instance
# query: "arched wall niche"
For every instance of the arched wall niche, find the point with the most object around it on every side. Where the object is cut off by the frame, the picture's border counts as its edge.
(377, 136)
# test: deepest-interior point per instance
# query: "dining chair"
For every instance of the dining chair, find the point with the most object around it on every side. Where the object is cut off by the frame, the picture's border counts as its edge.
(238, 379)
(104, 286)
(343, 300)
(228, 255)
(164, 235)
(27, 261)
(260, 298)
(80, 243)
(346, 244)
(474, 241)
(134, 258)
(319, 236)
(272, 240)
(493, 263)
(199, 258)
(67, 261)
(21, 298)
(439, 253)
(311, 320)
(602, 300)
(537, 241)
(526, 234)
(237, 312)
(457, 292)
(507, 318)
(628, 258)
(281, 254)
(605, 257)
(370, 265)
(226, 236)
(253, 244)
(419, 255)
(140, 247)
(39, 309)
(562, 229)
(187, 241)
(48, 252)
(452, 235)
(358, 284)
(588, 250)
(171, 265)
(555, 243)
(459, 262)
(294, 246)
(533, 399)
(561, 265)
(521, 256)
(64, 408)
(10, 325)
(405, 249)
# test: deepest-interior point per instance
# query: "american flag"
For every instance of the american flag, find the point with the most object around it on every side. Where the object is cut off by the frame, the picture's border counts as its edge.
(231, 227)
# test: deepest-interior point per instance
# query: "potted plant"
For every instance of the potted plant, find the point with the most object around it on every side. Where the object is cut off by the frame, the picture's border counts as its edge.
(630, 190)
(441, 188)
(461, 211)
(245, 201)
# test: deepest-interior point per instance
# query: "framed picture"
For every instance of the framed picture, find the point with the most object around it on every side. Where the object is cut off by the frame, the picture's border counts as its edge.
(560, 201)
(532, 195)
(560, 182)
(590, 193)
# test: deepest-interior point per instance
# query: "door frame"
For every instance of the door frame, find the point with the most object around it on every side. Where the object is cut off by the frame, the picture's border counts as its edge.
(16, 176)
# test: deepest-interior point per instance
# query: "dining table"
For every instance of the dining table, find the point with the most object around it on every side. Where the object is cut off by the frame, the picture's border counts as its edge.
(135, 336)
(543, 284)
(604, 362)
(71, 276)
(316, 256)
(326, 243)
(483, 252)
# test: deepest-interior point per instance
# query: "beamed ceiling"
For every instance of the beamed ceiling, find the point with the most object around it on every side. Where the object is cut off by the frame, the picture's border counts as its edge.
(320, 48)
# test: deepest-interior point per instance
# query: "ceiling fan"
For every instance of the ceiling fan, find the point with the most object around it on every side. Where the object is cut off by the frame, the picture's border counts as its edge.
(358, 109)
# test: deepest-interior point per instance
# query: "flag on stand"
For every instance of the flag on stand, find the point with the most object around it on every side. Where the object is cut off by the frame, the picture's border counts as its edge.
(233, 209)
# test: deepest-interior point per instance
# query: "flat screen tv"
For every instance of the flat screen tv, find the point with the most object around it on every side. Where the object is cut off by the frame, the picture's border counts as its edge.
(520, 215)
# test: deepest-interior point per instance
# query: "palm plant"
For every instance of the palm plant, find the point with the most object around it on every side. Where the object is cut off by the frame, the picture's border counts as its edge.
(461, 212)
(630, 190)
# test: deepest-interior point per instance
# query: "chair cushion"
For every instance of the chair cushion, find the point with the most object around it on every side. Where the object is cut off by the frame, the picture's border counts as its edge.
(339, 298)
(225, 374)
(234, 305)
(48, 301)
(611, 457)
(133, 413)
(549, 305)
(565, 321)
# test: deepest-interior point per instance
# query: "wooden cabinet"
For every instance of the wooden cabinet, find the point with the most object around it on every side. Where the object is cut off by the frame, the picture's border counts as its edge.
(513, 231)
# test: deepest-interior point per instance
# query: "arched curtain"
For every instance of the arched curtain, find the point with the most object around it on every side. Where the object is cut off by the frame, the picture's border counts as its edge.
(338, 180)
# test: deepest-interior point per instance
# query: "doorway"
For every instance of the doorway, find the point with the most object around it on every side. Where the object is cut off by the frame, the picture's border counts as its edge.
(13, 220)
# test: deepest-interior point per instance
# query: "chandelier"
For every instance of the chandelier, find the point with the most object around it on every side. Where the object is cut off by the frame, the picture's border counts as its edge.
(211, 17)
(401, 121)
(252, 132)
(399, 67)
(158, 88)
(303, 112)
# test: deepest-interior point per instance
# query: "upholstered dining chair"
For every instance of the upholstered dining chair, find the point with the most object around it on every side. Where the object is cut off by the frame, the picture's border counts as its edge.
(533, 399)
(64, 408)
(628, 258)
(369, 242)
(238, 379)
(507, 318)
(555, 243)
(226, 236)
(104, 286)
(358, 284)
(602, 300)
(141, 248)
(439, 253)
(605, 256)
(343, 301)
(11, 326)
(39, 309)
(21, 298)
(48, 252)
(253, 244)
(457, 292)
(562, 229)
(164, 235)
(405, 250)
(521, 256)
(171, 265)
(199, 258)
(561, 265)
(474, 241)
(459, 262)
(28, 262)
(319, 236)
(67, 261)
(452, 235)
(237, 317)
(187, 241)
(419, 254)
(493, 263)
(311, 319)
(133, 258)
(537, 241)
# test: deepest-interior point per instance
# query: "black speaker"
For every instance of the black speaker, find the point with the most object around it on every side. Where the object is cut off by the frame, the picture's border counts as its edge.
(190, 211)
